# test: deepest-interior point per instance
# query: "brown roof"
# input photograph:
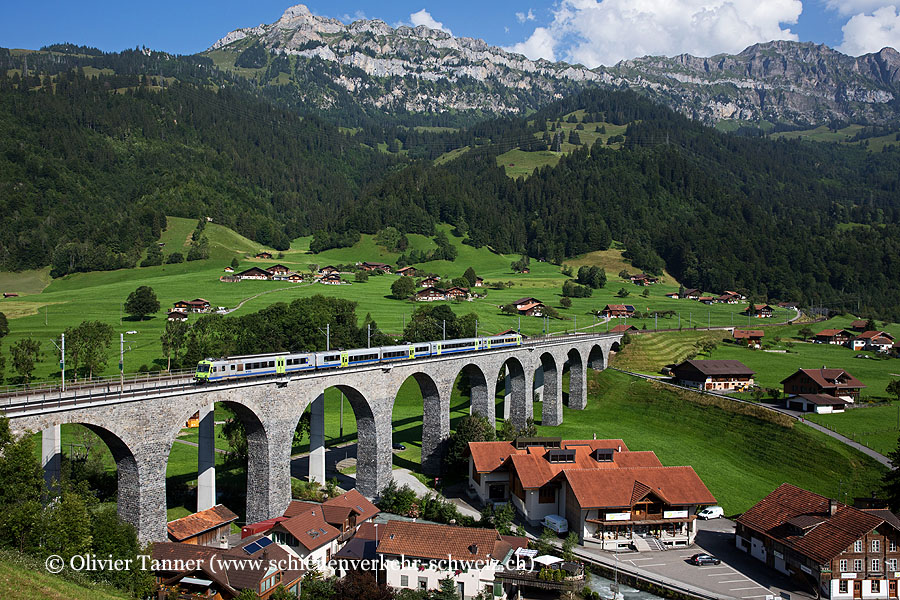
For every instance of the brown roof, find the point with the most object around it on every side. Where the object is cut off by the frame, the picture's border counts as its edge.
(622, 328)
(822, 399)
(487, 456)
(432, 541)
(524, 301)
(197, 523)
(614, 307)
(717, 367)
(859, 324)
(832, 332)
(243, 575)
(356, 501)
(621, 488)
(829, 378)
(870, 335)
(746, 334)
(833, 535)
(297, 507)
(310, 528)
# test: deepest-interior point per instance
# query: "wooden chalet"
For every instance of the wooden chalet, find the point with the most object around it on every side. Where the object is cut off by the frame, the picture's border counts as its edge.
(859, 325)
(430, 281)
(760, 311)
(673, 295)
(458, 293)
(329, 270)
(406, 271)
(877, 341)
(430, 294)
(376, 266)
(278, 270)
(479, 282)
(644, 279)
(751, 337)
(788, 305)
(204, 528)
(182, 306)
(706, 299)
(521, 301)
(255, 273)
(691, 293)
(836, 337)
(295, 278)
(532, 309)
(842, 552)
(228, 269)
(714, 375)
(617, 310)
(264, 255)
(331, 279)
(729, 298)
(832, 382)
(199, 305)
(176, 315)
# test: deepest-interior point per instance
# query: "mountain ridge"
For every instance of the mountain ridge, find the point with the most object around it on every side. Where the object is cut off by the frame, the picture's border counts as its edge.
(793, 83)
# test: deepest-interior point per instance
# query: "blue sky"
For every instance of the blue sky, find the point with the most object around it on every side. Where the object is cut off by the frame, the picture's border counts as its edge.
(588, 31)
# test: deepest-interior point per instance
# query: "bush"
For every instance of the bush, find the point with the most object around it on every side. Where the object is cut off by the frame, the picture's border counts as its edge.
(175, 258)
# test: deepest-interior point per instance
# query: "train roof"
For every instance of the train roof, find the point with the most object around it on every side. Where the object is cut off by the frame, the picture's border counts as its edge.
(268, 355)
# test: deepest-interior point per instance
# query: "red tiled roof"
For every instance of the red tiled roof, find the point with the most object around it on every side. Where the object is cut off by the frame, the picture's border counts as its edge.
(874, 334)
(770, 516)
(741, 334)
(356, 501)
(534, 470)
(310, 528)
(827, 378)
(622, 328)
(621, 488)
(488, 456)
(197, 523)
(822, 399)
(431, 541)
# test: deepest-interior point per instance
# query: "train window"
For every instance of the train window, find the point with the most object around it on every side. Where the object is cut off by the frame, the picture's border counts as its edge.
(333, 357)
(271, 363)
(232, 367)
(301, 361)
(395, 354)
(361, 357)
(422, 349)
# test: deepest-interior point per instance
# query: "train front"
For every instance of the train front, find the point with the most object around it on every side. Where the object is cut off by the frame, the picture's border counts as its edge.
(203, 369)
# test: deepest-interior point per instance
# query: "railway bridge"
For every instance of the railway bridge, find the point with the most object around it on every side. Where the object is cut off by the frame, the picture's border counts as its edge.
(140, 425)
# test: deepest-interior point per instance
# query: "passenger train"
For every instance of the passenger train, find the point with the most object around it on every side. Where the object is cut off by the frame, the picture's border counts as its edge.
(234, 367)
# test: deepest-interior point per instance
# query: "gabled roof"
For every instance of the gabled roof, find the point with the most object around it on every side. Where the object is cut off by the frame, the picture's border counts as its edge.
(746, 334)
(279, 267)
(436, 542)
(310, 528)
(829, 378)
(488, 456)
(859, 324)
(833, 332)
(357, 502)
(623, 328)
(822, 399)
(620, 488)
(716, 367)
(618, 307)
(870, 335)
(524, 301)
(254, 271)
(199, 522)
(771, 516)
(243, 574)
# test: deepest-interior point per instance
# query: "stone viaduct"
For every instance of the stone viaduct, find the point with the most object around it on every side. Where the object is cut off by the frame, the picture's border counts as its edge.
(140, 431)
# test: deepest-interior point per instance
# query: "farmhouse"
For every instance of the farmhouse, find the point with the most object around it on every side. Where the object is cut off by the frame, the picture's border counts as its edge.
(789, 305)
(205, 528)
(706, 299)
(760, 311)
(714, 375)
(295, 278)
(376, 266)
(617, 310)
(729, 298)
(255, 273)
(624, 329)
(265, 255)
(691, 294)
(836, 337)
(430, 281)
(644, 279)
(878, 341)
(417, 556)
(458, 293)
(610, 496)
(673, 295)
(278, 270)
(332, 279)
(822, 404)
(532, 309)
(859, 325)
(521, 301)
(479, 281)
(843, 552)
(831, 382)
(430, 294)
(751, 337)
(229, 269)
(406, 271)
(176, 315)
(198, 305)
(329, 270)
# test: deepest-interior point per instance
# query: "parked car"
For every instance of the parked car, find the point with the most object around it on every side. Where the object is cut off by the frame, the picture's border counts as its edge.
(556, 523)
(398, 446)
(703, 559)
(711, 512)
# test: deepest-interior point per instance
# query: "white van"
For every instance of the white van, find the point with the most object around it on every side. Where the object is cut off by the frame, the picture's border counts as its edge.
(556, 523)
(711, 512)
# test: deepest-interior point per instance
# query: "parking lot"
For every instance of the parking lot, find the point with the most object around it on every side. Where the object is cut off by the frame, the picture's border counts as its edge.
(737, 576)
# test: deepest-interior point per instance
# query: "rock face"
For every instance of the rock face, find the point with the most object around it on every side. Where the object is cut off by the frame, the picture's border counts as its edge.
(426, 70)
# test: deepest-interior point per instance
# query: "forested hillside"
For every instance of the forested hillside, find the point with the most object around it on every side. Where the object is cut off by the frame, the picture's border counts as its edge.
(90, 166)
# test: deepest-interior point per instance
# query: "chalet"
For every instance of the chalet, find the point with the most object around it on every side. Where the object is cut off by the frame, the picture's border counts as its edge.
(198, 305)
(255, 273)
(822, 404)
(430, 282)
(525, 271)
(406, 271)
(714, 375)
(831, 382)
(430, 294)
(208, 527)
(176, 315)
(265, 255)
(332, 279)
(307, 535)
(376, 266)
(881, 344)
(182, 306)
(760, 311)
(644, 279)
(878, 341)
(706, 299)
(531, 309)
(457, 292)
(329, 270)
(673, 295)
(417, 556)
(624, 329)
(617, 310)
(256, 564)
(611, 497)
(859, 325)
(479, 282)
(841, 551)
(346, 512)
(295, 278)
(278, 270)
(751, 337)
(229, 279)
(728, 298)
(788, 305)
(837, 337)
(522, 301)
(691, 294)
(229, 269)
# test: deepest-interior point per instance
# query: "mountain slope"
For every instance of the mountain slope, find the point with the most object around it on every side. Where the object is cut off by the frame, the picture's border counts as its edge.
(329, 64)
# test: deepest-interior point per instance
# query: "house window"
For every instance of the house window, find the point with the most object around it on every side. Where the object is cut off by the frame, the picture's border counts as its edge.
(876, 586)
(843, 565)
(546, 495)
(876, 565)
(857, 546)
(857, 565)
(842, 586)
(404, 581)
(892, 546)
(423, 583)
(891, 564)
(876, 545)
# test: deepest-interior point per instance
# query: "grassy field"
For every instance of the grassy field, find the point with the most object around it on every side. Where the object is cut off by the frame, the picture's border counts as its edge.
(844, 135)
(648, 353)
(877, 427)
(24, 579)
(67, 301)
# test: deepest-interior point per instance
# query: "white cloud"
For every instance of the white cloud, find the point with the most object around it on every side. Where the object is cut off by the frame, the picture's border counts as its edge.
(870, 33)
(423, 17)
(522, 17)
(595, 32)
(356, 16)
(854, 7)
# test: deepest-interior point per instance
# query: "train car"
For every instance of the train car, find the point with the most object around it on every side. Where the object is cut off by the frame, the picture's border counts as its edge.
(405, 351)
(501, 341)
(233, 367)
(347, 358)
(453, 346)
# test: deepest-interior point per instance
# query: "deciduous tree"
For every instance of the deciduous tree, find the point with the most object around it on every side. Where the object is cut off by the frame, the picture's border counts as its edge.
(25, 355)
(142, 302)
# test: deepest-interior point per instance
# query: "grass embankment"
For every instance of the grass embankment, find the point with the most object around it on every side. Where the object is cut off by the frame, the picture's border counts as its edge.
(740, 457)
(24, 578)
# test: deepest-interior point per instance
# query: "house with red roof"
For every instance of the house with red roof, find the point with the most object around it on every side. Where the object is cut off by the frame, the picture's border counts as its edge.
(624, 329)
(876, 341)
(714, 375)
(617, 310)
(406, 271)
(751, 337)
(841, 551)
(611, 496)
(837, 383)
(837, 337)
(205, 528)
